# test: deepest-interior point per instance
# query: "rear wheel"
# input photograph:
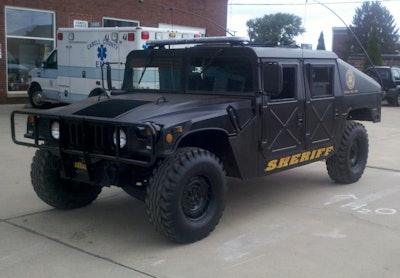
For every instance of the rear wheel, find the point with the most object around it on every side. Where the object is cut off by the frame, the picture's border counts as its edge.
(348, 163)
(56, 191)
(186, 197)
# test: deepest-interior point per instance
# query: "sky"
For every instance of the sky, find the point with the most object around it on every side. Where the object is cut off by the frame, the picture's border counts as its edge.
(315, 17)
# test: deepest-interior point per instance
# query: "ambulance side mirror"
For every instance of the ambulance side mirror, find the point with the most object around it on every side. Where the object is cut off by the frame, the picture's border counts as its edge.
(40, 64)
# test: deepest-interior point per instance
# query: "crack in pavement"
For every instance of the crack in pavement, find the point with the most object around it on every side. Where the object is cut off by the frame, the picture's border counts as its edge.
(75, 248)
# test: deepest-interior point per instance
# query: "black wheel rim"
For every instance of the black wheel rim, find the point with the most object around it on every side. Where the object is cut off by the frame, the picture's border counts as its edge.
(196, 197)
(354, 154)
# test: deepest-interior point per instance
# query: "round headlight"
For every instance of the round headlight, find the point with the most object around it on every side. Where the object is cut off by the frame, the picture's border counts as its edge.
(122, 138)
(55, 130)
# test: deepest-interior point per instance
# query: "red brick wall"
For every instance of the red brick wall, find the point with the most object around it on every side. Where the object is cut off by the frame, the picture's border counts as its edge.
(197, 13)
(339, 45)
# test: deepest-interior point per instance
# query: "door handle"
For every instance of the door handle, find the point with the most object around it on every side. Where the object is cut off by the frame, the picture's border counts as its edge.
(336, 115)
(300, 121)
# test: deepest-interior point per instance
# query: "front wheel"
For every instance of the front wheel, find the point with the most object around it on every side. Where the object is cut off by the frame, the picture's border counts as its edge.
(348, 163)
(36, 98)
(186, 196)
(56, 191)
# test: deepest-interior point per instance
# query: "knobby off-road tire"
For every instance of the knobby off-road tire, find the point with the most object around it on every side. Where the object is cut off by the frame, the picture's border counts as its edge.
(348, 163)
(56, 191)
(186, 196)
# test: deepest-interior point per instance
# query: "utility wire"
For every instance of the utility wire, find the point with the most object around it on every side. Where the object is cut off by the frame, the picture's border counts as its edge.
(301, 4)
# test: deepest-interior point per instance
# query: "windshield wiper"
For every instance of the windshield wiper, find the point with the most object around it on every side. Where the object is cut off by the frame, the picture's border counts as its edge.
(209, 63)
(148, 62)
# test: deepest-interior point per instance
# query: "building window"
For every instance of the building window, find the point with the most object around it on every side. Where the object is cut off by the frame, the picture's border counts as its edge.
(117, 22)
(30, 39)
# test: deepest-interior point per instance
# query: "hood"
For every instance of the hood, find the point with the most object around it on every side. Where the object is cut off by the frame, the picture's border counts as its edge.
(166, 110)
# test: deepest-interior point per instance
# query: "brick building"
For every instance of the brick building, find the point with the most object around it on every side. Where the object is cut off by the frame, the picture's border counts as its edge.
(339, 46)
(28, 28)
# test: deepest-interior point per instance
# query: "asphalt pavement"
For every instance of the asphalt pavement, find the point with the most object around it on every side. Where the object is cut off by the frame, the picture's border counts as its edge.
(297, 223)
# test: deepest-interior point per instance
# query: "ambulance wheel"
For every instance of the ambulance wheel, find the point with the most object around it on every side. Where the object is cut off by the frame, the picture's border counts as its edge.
(35, 98)
(186, 196)
(56, 191)
(348, 163)
(97, 92)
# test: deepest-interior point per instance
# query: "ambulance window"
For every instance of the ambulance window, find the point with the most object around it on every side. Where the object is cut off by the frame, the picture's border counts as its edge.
(288, 84)
(321, 81)
(51, 62)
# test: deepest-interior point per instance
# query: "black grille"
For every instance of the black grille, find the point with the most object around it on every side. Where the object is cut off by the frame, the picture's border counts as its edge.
(75, 135)
(87, 137)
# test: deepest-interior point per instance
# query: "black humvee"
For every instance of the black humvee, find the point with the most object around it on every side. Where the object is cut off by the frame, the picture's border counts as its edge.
(389, 77)
(185, 118)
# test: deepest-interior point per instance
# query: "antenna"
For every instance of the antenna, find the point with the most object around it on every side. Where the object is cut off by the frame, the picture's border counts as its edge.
(355, 36)
(172, 9)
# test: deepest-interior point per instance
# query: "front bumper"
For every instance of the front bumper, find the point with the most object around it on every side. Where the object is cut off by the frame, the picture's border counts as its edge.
(89, 138)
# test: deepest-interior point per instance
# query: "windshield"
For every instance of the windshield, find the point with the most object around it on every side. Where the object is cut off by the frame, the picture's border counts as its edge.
(154, 73)
(204, 71)
(220, 74)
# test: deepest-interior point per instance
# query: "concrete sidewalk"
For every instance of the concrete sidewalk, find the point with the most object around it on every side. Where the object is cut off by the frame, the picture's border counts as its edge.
(294, 224)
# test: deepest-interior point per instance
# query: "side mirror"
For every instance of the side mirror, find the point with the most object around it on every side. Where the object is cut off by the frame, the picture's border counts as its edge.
(41, 64)
(273, 78)
(108, 72)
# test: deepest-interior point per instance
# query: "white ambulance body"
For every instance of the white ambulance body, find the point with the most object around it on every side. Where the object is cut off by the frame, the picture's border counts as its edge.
(73, 70)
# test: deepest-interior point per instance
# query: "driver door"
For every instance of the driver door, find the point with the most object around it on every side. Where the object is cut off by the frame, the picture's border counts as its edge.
(283, 116)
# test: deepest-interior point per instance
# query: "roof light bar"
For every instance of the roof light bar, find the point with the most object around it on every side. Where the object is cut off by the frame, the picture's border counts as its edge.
(202, 40)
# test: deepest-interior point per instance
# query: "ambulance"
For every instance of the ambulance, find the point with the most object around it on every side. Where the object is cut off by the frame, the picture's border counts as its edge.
(74, 70)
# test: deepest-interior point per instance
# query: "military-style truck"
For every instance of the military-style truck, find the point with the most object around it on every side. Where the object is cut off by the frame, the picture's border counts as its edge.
(389, 77)
(223, 107)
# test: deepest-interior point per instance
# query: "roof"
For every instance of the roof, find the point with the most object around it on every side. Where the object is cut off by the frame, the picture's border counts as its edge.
(295, 53)
(382, 67)
(203, 40)
(260, 51)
